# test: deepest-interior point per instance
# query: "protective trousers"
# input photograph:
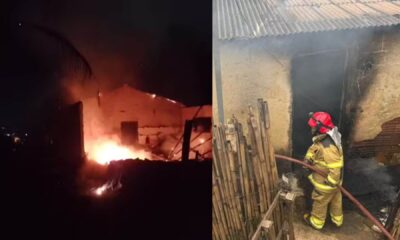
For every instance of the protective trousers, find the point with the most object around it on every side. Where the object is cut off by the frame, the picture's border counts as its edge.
(321, 202)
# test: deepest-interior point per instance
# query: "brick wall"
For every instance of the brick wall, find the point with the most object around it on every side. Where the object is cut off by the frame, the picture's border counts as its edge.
(385, 146)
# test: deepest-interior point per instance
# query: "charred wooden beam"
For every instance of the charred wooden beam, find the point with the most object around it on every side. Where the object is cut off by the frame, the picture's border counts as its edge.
(186, 140)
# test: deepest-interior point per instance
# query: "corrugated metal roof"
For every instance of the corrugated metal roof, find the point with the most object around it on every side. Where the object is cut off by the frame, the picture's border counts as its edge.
(262, 18)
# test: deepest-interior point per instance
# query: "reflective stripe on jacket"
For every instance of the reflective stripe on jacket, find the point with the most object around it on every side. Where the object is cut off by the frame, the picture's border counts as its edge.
(325, 155)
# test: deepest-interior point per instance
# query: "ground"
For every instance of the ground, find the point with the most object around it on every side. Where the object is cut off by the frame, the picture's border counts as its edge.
(158, 200)
(354, 228)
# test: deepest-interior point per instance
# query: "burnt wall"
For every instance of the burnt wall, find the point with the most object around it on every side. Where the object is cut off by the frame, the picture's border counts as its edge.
(385, 146)
(263, 68)
(373, 99)
(103, 116)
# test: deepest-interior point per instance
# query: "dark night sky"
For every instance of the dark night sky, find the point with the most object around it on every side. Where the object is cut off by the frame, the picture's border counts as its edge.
(157, 46)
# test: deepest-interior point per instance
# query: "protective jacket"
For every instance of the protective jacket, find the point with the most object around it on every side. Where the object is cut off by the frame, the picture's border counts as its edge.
(324, 154)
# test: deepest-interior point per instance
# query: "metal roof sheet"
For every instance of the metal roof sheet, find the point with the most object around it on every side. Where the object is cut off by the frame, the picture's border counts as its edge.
(238, 19)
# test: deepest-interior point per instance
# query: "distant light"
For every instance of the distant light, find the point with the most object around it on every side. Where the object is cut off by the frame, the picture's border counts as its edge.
(26, 134)
(17, 140)
(153, 95)
(202, 140)
(8, 134)
(20, 24)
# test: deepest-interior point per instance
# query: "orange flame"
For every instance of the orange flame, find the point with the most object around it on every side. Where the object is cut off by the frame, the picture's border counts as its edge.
(104, 151)
(108, 186)
(100, 190)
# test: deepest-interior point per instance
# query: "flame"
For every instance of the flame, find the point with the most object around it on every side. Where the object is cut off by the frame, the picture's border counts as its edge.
(100, 190)
(102, 143)
(108, 186)
(107, 151)
(104, 151)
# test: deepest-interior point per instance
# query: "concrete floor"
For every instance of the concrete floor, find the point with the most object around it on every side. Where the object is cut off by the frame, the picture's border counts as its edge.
(354, 228)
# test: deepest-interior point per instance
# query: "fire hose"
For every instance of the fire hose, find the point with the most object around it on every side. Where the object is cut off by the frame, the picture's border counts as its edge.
(343, 190)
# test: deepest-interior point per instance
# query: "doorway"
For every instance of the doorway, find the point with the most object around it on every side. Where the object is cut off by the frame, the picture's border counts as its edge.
(130, 133)
(317, 85)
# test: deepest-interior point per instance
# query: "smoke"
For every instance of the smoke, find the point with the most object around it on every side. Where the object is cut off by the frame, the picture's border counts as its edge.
(152, 46)
(376, 175)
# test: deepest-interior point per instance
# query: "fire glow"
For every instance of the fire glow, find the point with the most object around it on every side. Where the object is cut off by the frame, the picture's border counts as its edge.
(100, 190)
(107, 187)
(104, 151)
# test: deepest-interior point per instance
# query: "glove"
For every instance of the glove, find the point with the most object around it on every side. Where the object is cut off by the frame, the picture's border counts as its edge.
(308, 161)
(329, 183)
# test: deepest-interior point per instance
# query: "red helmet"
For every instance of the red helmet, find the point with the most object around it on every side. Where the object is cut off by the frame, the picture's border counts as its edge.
(322, 121)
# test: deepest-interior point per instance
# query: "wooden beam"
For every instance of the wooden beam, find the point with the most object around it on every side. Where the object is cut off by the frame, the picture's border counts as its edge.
(267, 216)
(186, 140)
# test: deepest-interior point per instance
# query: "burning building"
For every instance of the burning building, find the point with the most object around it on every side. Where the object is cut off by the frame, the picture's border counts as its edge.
(126, 124)
(92, 138)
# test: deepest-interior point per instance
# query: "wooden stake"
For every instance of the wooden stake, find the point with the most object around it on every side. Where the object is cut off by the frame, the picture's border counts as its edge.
(244, 178)
(256, 161)
(222, 195)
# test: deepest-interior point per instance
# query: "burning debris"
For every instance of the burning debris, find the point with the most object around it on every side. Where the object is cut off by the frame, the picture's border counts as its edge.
(124, 125)
(103, 179)
(109, 186)
(105, 150)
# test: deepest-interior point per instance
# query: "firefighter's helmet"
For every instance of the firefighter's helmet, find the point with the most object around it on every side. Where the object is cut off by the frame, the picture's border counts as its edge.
(322, 121)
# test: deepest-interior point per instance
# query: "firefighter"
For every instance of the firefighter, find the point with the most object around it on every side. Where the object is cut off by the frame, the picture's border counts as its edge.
(326, 154)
